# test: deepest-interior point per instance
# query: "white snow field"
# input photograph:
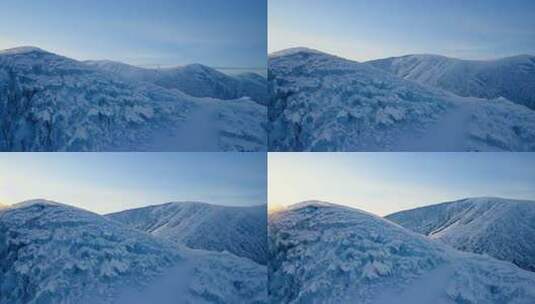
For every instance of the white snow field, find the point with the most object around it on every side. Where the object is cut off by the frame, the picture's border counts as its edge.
(326, 253)
(321, 102)
(239, 230)
(511, 77)
(55, 253)
(53, 103)
(501, 228)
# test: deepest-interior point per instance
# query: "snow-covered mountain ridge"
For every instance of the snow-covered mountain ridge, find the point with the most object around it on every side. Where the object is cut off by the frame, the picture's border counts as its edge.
(512, 77)
(53, 103)
(193, 79)
(322, 102)
(501, 228)
(324, 253)
(239, 230)
(55, 253)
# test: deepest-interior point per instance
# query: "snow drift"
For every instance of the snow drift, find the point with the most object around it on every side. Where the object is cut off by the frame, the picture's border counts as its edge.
(239, 230)
(325, 253)
(501, 228)
(53, 103)
(322, 102)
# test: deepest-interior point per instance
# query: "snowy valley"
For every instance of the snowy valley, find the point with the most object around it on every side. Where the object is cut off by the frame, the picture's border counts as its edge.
(321, 102)
(53, 103)
(55, 253)
(326, 253)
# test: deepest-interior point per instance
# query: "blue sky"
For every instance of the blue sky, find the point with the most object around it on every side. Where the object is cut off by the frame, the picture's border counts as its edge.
(106, 182)
(383, 183)
(229, 33)
(364, 30)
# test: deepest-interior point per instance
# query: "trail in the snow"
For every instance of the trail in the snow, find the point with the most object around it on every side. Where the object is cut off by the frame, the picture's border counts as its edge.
(171, 288)
(449, 134)
(429, 288)
(198, 132)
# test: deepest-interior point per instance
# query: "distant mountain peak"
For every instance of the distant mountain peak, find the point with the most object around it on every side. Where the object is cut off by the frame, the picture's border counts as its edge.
(311, 203)
(22, 50)
(499, 227)
(510, 77)
(296, 50)
(39, 201)
(203, 226)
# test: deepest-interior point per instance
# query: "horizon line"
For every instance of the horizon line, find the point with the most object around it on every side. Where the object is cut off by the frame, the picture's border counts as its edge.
(129, 62)
(8, 205)
(276, 207)
(271, 53)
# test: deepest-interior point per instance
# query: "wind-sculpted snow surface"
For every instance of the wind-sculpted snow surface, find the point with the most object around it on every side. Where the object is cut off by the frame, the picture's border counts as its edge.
(502, 228)
(324, 253)
(54, 253)
(194, 79)
(512, 77)
(325, 103)
(239, 230)
(53, 103)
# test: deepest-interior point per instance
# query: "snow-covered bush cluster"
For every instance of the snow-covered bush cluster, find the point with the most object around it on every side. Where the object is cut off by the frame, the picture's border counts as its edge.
(54, 253)
(320, 251)
(321, 102)
(51, 253)
(326, 253)
(500, 125)
(53, 103)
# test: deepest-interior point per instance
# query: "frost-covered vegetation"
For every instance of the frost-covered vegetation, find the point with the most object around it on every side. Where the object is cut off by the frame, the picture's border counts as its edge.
(320, 102)
(54, 253)
(326, 253)
(53, 103)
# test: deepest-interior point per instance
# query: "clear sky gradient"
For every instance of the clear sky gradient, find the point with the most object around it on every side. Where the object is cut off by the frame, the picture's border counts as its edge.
(372, 29)
(230, 33)
(106, 182)
(382, 183)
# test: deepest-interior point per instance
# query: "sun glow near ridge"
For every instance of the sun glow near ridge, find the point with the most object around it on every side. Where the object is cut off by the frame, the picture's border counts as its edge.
(383, 183)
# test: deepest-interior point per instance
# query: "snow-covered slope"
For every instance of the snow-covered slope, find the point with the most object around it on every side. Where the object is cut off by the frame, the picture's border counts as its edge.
(239, 230)
(54, 253)
(502, 228)
(322, 102)
(52, 103)
(324, 253)
(511, 77)
(194, 79)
